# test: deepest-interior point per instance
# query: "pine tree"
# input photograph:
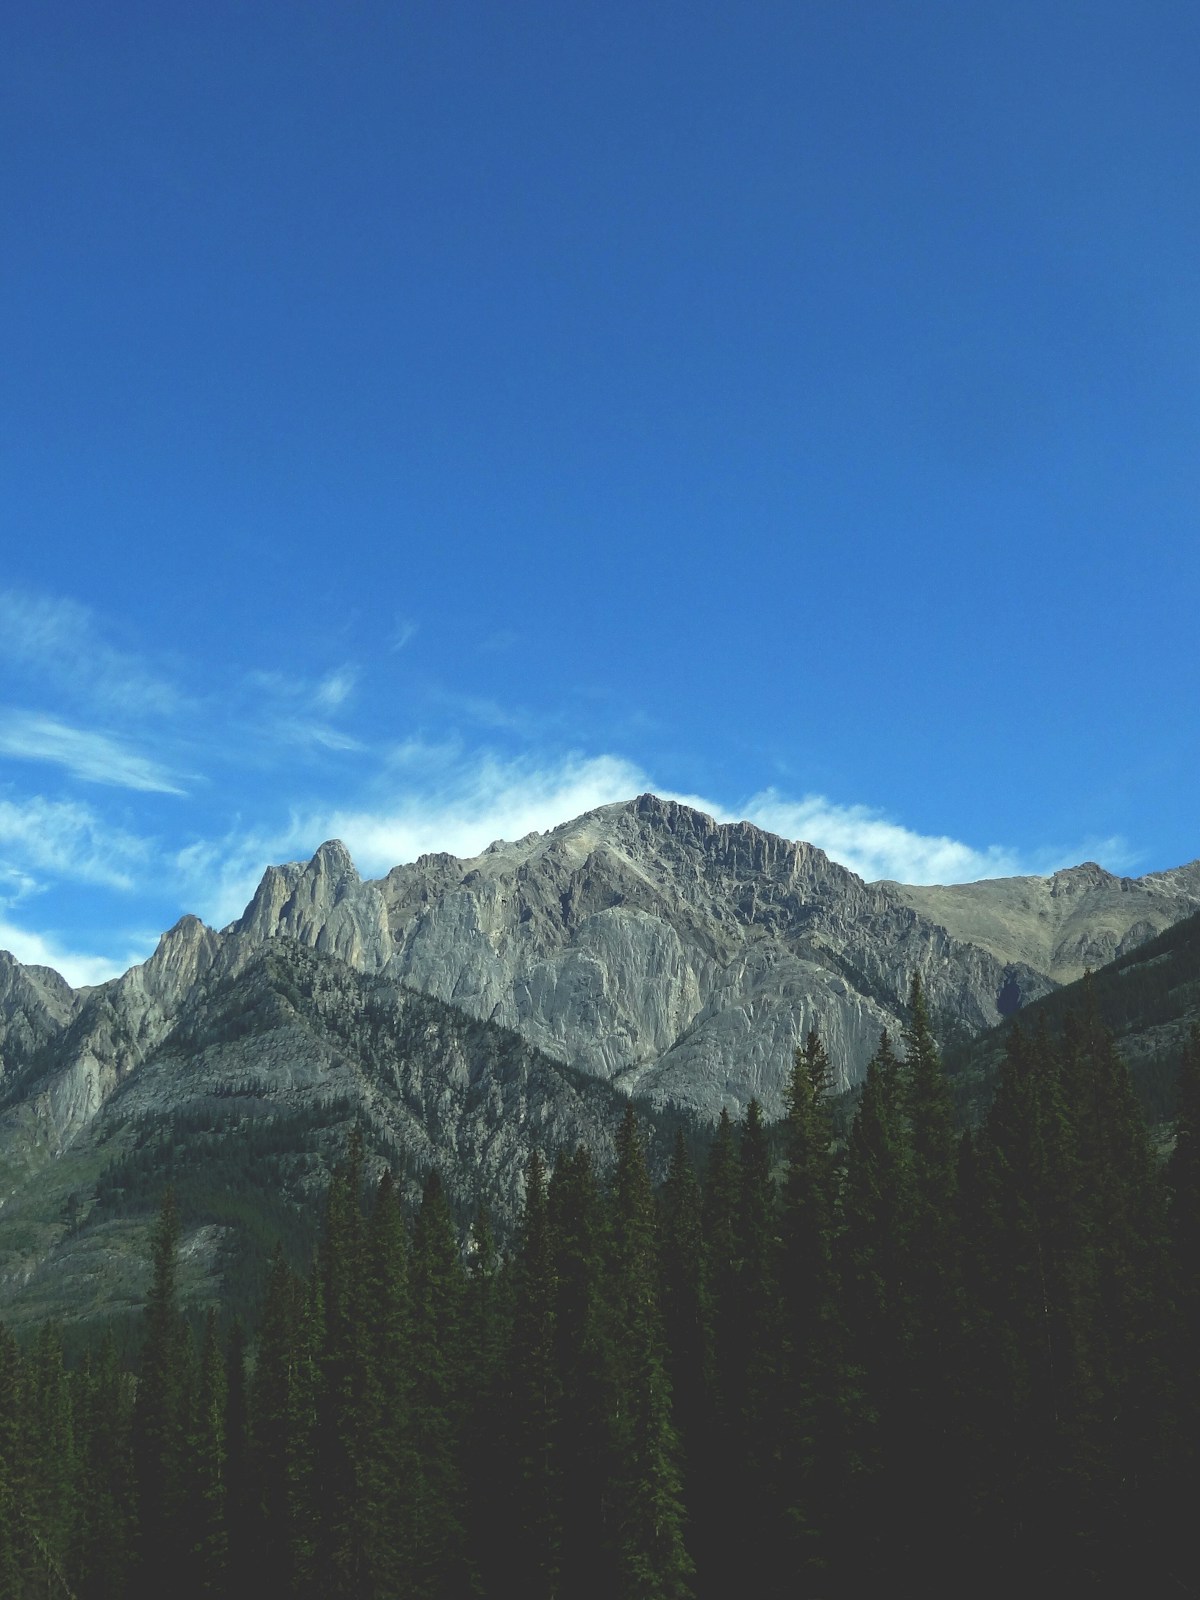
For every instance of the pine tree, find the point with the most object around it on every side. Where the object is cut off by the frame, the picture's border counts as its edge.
(487, 1460)
(160, 1420)
(716, 1477)
(102, 1552)
(933, 1251)
(343, 1411)
(51, 1451)
(283, 1433)
(440, 1566)
(874, 1249)
(208, 1557)
(652, 1561)
(815, 1391)
(686, 1319)
(391, 1469)
(583, 1360)
(535, 1382)
(14, 1474)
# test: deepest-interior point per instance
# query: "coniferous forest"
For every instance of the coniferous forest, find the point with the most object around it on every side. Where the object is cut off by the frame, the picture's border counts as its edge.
(938, 1361)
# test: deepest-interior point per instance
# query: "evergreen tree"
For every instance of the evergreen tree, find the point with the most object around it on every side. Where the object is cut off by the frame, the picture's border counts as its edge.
(652, 1561)
(686, 1307)
(208, 1556)
(814, 1393)
(344, 1433)
(440, 1566)
(159, 1419)
(486, 1456)
(930, 1391)
(102, 1554)
(283, 1434)
(391, 1469)
(584, 1344)
(51, 1449)
(873, 1249)
(716, 1475)
(535, 1384)
(239, 1482)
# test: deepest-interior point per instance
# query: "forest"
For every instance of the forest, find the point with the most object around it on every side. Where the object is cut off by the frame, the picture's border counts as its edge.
(911, 1356)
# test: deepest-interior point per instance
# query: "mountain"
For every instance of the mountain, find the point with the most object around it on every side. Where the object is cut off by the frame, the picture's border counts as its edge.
(684, 959)
(461, 1011)
(245, 1103)
(1064, 924)
(1148, 997)
(643, 944)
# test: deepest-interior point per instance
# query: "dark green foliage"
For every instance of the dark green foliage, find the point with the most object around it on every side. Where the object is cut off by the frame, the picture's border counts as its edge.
(160, 1414)
(915, 1361)
(652, 1561)
(535, 1393)
(583, 1360)
(440, 1567)
(816, 1388)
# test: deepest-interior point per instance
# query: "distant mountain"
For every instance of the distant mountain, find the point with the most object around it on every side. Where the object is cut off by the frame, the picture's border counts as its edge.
(1150, 999)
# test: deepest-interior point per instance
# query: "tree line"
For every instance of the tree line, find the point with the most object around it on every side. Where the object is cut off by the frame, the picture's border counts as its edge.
(913, 1357)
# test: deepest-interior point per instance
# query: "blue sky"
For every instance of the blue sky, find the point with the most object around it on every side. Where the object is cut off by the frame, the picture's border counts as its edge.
(422, 422)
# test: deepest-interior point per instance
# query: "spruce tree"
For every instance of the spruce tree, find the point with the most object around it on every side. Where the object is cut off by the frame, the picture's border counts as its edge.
(585, 1342)
(877, 1295)
(344, 1403)
(536, 1397)
(815, 1391)
(208, 1557)
(159, 1420)
(652, 1561)
(440, 1568)
(390, 1465)
(686, 1318)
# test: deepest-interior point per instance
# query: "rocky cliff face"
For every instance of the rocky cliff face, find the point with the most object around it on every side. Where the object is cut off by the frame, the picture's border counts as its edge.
(1061, 925)
(643, 943)
(649, 945)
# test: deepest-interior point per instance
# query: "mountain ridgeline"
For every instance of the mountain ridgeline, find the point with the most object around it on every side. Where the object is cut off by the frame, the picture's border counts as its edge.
(463, 1013)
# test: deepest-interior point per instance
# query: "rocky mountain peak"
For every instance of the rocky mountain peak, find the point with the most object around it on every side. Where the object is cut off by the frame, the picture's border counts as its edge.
(333, 860)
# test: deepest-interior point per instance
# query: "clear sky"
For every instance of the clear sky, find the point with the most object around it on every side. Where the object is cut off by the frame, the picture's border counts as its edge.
(422, 421)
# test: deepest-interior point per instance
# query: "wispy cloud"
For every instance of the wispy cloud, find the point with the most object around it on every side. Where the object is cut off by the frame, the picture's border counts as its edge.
(874, 845)
(90, 756)
(62, 643)
(403, 633)
(454, 803)
(336, 688)
(67, 840)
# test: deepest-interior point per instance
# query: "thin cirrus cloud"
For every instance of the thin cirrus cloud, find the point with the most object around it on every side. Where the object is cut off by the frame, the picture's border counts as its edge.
(62, 642)
(85, 754)
(67, 840)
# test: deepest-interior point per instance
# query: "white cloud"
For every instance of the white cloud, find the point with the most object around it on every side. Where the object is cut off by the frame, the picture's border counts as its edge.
(61, 640)
(454, 804)
(403, 633)
(93, 757)
(79, 968)
(66, 839)
(868, 842)
(334, 689)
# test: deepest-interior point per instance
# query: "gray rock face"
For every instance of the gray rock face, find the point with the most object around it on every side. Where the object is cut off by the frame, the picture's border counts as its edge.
(643, 943)
(1061, 925)
(36, 1004)
(656, 948)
